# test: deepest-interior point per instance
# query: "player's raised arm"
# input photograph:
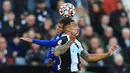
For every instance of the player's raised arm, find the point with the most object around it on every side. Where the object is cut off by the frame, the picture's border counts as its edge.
(48, 43)
(95, 57)
(61, 49)
(64, 44)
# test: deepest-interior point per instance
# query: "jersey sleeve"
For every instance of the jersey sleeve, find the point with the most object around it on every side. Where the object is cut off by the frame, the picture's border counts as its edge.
(62, 40)
(48, 43)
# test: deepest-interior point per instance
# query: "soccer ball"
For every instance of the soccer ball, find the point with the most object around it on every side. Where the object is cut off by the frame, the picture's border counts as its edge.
(67, 10)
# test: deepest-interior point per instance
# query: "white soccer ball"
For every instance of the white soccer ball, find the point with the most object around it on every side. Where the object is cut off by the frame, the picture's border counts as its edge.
(67, 10)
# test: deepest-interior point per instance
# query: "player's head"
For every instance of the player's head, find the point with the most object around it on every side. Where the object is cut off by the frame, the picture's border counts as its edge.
(61, 23)
(71, 27)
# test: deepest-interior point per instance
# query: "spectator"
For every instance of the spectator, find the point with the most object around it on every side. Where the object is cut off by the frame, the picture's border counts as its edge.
(114, 41)
(95, 17)
(6, 9)
(32, 34)
(41, 12)
(126, 4)
(119, 66)
(10, 25)
(108, 33)
(94, 44)
(91, 2)
(125, 42)
(7, 52)
(123, 22)
(3, 46)
(55, 15)
(17, 47)
(114, 16)
(23, 17)
(82, 23)
(126, 37)
(88, 34)
(30, 24)
(81, 12)
(2, 59)
(35, 56)
(45, 28)
(104, 22)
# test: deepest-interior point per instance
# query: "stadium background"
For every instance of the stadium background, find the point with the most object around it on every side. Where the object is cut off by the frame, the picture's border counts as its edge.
(102, 23)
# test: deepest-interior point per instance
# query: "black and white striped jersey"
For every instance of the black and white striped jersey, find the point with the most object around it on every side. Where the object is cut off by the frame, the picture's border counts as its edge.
(70, 60)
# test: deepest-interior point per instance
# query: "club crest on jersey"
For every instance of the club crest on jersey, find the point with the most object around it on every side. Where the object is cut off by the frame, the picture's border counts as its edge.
(76, 51)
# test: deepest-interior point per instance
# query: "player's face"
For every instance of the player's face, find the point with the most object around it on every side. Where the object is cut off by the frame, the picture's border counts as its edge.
(59, 28)
(74, 28)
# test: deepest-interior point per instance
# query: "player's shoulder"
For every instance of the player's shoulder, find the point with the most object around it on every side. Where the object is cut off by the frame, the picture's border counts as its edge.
(77, 41)
(64, 38)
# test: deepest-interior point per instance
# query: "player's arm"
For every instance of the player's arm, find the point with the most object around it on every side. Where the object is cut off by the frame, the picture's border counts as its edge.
(64, 44)
(62, 47)
(49, 43)
(95, 57)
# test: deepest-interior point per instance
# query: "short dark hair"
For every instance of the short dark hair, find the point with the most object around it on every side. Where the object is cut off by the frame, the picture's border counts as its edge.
(66, 21)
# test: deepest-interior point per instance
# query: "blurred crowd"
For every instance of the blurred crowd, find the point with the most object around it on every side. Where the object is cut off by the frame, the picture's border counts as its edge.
(102, 24)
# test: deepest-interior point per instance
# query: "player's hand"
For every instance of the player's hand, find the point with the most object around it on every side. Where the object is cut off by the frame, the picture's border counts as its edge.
(50, 62)
(26, 39)
(112, 49)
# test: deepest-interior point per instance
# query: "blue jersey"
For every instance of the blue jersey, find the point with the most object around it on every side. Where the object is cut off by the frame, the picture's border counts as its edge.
(50, 54)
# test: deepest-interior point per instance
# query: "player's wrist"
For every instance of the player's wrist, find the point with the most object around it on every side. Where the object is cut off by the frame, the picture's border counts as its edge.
(109, 53)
